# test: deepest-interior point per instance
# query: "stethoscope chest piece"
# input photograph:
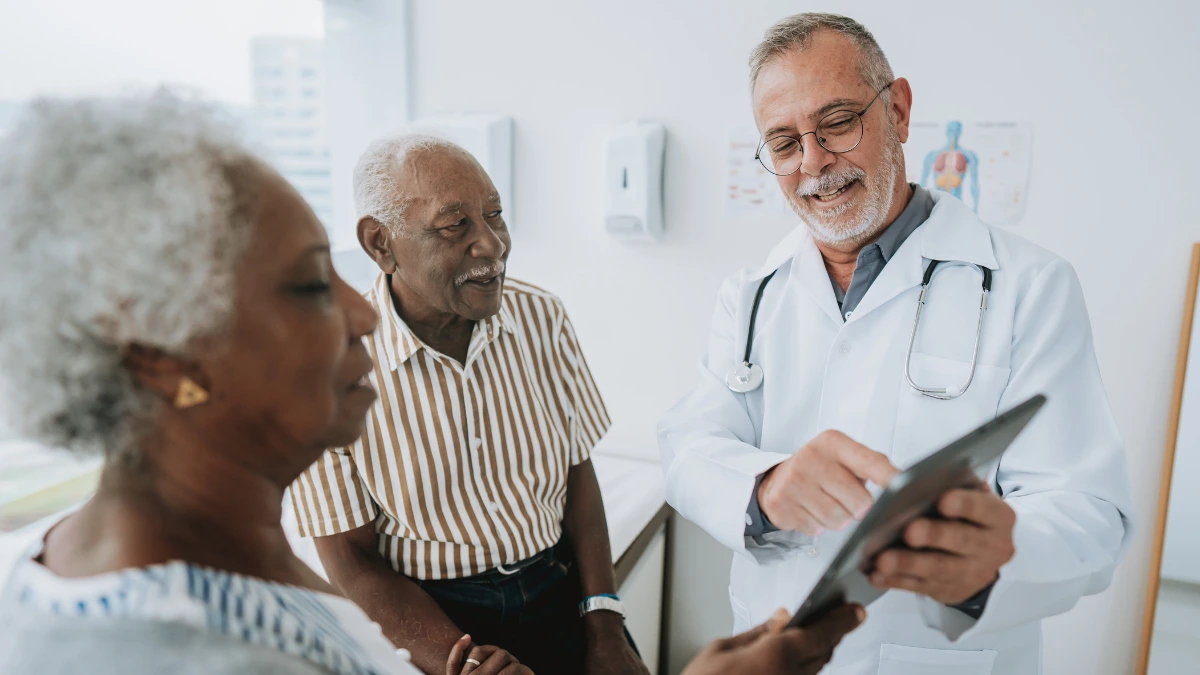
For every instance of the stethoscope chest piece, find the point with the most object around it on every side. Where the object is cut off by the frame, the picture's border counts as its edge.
(745, 378)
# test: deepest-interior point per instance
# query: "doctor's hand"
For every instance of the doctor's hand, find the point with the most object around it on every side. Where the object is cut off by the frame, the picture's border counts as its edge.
(823, 486)
(954, 559)
(772, 649)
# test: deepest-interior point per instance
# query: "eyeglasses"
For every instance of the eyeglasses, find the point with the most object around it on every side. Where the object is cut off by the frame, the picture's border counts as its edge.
(839, 131)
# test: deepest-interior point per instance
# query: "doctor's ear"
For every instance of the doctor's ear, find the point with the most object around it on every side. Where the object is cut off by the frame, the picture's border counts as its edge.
(375, 239)
(900, 109)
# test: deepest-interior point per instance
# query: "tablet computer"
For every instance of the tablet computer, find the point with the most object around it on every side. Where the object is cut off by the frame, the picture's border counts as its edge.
(911, 494)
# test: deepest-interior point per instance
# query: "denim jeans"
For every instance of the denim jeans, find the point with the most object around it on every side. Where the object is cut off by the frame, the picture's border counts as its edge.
(533, 612)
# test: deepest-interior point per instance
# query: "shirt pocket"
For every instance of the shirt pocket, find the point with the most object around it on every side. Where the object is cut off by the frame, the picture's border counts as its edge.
(904, 660)
(925, 424)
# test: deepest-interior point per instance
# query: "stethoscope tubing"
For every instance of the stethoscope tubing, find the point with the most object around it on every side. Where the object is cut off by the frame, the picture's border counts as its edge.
(940, 393)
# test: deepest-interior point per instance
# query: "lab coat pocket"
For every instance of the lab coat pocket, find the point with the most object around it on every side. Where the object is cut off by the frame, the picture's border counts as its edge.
(924, 424)
(903, 660)
(741, 614)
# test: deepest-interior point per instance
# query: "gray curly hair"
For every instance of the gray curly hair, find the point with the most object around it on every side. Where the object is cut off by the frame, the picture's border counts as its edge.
(796, 31)
(376, 193)
(121, 222)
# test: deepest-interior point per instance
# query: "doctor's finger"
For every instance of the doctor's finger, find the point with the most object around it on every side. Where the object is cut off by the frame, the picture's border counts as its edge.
(829, 513)
(928, 565)
(849, 491)
(950, 536)
(797, 518)
(977, 506)
(865, 462)
(904, 582)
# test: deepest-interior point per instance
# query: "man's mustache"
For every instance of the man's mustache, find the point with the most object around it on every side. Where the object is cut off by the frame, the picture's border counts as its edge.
(485, 272)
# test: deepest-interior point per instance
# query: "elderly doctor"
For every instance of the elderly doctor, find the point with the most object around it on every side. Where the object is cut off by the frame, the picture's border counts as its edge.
(775, 450)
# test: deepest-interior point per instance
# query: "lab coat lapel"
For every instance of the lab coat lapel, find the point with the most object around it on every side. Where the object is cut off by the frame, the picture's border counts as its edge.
(952, 232)
(900, 273)
(811, 274)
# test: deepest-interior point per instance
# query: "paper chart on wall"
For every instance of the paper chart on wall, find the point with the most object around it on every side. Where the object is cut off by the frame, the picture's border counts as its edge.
(985, 164)
(750, 187)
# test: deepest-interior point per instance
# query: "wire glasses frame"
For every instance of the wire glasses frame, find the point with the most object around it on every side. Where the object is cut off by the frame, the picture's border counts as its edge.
(838, 132)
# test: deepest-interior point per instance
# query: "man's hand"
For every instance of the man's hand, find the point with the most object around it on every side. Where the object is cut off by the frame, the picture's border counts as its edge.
(956, 558)
(772, 649)
(822, 486)
(492, 660)
(608, 652)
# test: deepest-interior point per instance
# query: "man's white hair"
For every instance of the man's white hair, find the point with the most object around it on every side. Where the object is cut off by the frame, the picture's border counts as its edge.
(121, 222)
(376, 192)
(796, 32)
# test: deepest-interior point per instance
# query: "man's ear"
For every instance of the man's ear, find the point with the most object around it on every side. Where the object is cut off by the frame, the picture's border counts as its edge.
(902, 99)
(376, 239)
(160, 372)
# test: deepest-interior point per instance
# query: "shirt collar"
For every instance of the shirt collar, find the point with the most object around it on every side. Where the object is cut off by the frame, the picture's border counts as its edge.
(917, 211)
(399, 342)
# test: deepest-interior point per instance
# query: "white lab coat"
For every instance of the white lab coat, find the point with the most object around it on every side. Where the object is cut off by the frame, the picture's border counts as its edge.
(1065, 476)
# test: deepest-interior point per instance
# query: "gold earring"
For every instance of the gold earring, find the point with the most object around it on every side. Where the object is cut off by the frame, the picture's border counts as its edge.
(190, 394)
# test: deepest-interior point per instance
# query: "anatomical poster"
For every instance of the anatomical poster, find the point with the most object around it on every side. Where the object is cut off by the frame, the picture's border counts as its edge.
(985, 164)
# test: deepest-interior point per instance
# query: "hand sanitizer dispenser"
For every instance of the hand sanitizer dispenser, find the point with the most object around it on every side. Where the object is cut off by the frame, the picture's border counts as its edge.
(633, 181)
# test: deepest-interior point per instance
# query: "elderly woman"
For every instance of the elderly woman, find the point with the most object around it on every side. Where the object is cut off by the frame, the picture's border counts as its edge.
(168, 301)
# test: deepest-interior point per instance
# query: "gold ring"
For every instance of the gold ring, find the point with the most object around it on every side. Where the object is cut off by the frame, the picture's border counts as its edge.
(474, 662)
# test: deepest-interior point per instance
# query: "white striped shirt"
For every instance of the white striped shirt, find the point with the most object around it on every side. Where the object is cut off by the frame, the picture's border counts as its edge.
(463, 467)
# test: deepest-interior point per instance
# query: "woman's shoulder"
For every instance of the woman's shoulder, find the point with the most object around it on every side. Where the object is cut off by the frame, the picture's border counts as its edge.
(327, 631)
(50, 644)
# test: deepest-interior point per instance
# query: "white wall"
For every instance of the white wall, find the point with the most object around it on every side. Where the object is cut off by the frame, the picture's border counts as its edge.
(1110, 87)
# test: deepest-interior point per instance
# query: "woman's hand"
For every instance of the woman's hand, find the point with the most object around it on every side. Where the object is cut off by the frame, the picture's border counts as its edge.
(468, 659)
(772, 649)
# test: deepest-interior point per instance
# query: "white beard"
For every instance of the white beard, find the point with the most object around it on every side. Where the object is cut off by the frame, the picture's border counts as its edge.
(829, 228)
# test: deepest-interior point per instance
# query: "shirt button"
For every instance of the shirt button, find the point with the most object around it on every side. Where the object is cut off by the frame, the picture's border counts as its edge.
(849, 314)
(748, 521)
(493, 507)
(812, 551)
(844, 346)
(404, 655)
(475, 443)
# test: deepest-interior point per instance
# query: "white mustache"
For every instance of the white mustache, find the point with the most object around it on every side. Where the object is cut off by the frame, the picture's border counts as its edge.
(486, 272)
(828, 182)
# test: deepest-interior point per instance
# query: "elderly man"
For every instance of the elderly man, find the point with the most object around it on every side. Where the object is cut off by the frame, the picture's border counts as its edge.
(833, 387)
(470, 504)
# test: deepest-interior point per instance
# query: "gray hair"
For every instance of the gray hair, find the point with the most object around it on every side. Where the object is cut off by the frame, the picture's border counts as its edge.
(796, 31)
(121, 222)
(376, 193)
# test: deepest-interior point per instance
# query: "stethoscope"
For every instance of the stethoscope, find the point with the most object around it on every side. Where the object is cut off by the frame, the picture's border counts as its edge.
(747, 376)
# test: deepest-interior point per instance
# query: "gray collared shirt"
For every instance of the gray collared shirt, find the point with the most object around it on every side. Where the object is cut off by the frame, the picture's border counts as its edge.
(874, 256)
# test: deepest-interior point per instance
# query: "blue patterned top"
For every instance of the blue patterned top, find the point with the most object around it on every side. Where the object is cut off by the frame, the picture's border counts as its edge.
(327, 630)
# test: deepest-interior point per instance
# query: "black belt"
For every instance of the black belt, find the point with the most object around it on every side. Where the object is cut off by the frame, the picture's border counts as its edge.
(505, 571)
